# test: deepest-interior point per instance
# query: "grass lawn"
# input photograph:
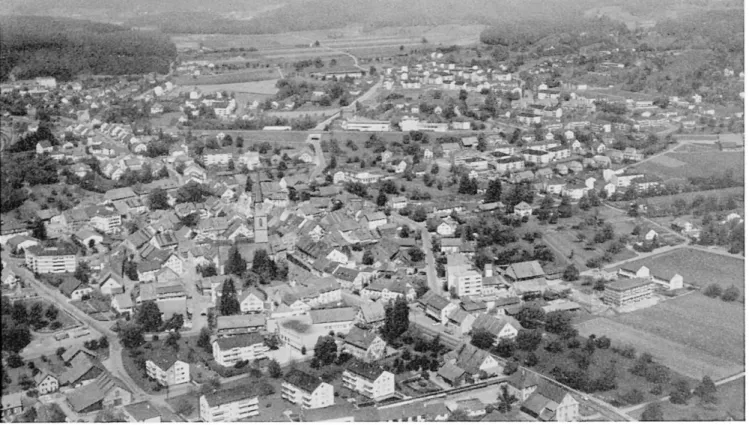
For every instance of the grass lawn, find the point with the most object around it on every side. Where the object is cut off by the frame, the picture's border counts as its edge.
(683, 165)
(731, 401)
(699, 268)
(688, 361)
(565, 241)
(668, 200)
(718, 329)
(194, 401)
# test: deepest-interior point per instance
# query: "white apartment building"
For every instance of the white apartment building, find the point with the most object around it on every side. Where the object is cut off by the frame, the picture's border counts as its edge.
(216, 157)
(229, 405)
(360, 125)
(230, 350)
(105, 219)
(306, 390)
(461, 276)
(52, 259)
(168, 371)
(369, 380)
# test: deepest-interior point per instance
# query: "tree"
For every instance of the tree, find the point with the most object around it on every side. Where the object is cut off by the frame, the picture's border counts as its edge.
(528, 340)
(264, 266)
(229, 304)
(681, 393)
(50, 413)
(396, 319)
(565, 208)
(505, 347)
(157, 200)
(652, 413)
(458, 415)
(706, 391)
(571, 273)
(483, 339)
(531, 317)
(505, 400)
(15, 361)
(274, 369)
(109, 415)
(558, 322)
(235, 264)
(39, 230)
(367, 258)
(382, 199)
(149, 316)
(415, 254)
(731, 294)
(36, 312)
(184, 407)
(419, 215)
(82, 272)
(510, 368)
(493, 191)
(204, 339)
(131, 335)
(326, 350)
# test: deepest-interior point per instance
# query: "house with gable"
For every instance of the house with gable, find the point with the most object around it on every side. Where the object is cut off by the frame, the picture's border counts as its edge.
(167, 369)
(364, 345)
(551, 402)
(307, 391)
(499, 327)
(436, 307)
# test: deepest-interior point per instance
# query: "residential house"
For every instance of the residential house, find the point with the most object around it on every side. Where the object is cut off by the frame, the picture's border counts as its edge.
(229, 405)
(370, 380)
(307, 391)
(247, 347)
(500, 327)
(551, 402)
(104, 392)
(364, 345)
(167, 369)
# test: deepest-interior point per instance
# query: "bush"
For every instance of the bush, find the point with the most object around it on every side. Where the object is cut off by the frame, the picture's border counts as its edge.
(731, 294)
(628, 352)
(634, 396)
(184, 408)
(713, 290)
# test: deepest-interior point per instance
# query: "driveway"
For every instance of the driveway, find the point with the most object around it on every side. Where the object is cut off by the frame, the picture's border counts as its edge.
(426, 239)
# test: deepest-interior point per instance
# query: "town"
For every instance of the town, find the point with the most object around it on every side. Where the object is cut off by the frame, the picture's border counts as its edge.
(436, 232)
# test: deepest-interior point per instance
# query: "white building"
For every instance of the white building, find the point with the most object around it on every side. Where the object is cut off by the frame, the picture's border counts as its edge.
(229, 405)
(307, 391)
(168, 371)
(461, 276)
(230, 350)
(369, 380)
(52, 259)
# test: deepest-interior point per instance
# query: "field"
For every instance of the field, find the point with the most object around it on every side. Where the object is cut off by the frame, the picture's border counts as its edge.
(731, 402)
(718, 329)
(228, 78)
(698, 267)
(662, 201)
(682, 165)
(259, 87)
(680, 358)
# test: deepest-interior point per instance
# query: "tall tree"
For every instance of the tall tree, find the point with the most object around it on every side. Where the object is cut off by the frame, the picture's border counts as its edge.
(382, 199)
(326, 350)
(483, 339)
(494, 191)
(652, 413)
(229, 304)
(157, 200)
(235, 264)
(149, 316)
(39, 230)
(531, 317)
(505, 400)
(706, 391)
(396, 319)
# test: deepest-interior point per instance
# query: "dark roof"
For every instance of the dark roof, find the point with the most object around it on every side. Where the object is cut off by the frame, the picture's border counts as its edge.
(87, 395)
(164, 358)
(330, 413)
(626, 284)
(551, 391)
(229, 395)
(244, 340)
(523, 379)
(303, 380)
(360, 338)
(366, 370)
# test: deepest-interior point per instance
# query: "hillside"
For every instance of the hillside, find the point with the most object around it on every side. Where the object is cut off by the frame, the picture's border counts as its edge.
(32, 46)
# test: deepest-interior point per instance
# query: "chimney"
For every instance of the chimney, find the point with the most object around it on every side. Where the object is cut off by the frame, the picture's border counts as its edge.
(488, 270)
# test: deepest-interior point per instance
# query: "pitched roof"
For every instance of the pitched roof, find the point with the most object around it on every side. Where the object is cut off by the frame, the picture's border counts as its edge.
(450, 372)
(468, 358)
(367, 370)
(434, 301)
(523, 379)
(240, 321)
(493, 324)
(142, 411)
(525, 270)
(372, 312)
(87, 395)
(360, 338)
(303, 380)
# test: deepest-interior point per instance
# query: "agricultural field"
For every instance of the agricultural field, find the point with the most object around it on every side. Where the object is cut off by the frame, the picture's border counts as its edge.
(718, 329)
(699, 268)
(731, 402)
(267, 87)
(682, 165)
(683, 359)
(668, 200)
(228, 78)
(697, 148)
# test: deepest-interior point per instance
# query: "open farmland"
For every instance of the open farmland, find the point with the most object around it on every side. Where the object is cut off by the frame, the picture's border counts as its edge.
(267, 87)
(681, 358)
(682, 165)
(699, 268)
(565, 241)
(229, 77)
(668, 200)
(718, 329)
(731, 401)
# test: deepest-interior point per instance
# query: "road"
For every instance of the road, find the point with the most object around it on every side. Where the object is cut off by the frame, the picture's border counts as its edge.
(321, 164)
(426, 239)
(114, 363)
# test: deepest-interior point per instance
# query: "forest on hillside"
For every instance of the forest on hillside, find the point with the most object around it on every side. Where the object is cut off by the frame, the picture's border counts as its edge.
(32, 46)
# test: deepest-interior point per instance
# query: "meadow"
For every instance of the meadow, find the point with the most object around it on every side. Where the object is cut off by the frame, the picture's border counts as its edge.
(682, 165)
